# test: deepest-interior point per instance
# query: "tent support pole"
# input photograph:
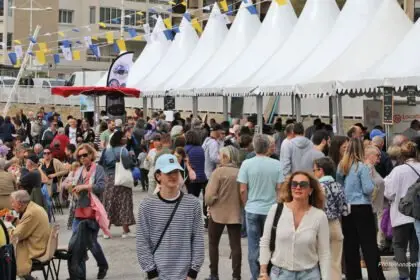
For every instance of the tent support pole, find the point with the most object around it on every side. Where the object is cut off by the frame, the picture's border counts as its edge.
(293, 106)
(225, 108)
(334, 114)
(195, 106)
(151, 105)
(144, 107)
(97, 111)
(260, 113)
(298, 108)
(340, 115)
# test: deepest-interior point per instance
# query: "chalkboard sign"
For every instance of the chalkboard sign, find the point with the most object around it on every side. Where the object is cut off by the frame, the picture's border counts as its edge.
(411, 95)
(236, 107)
(168, 103)
(388, 105)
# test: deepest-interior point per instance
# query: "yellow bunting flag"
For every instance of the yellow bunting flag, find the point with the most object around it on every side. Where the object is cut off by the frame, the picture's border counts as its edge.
(18, 42)
(76, 55)
(101, 24)
(281, 2)
(43, 47)
(61, 33)
(184, 3)
(138, 38)
(196, 25)
(18, 63)
(224, 5)
(121, 45)
(168, 23)
(139, 13)
(172, 3)
(109, 37)
(94, 38)
(40, 57)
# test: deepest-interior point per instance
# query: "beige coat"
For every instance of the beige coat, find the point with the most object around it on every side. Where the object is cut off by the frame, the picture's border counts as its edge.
(7, 186)
(32, 231)
(60, 171)
(223, 197)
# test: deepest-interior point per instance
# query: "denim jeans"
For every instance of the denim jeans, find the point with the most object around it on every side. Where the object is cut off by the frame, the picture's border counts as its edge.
(417, 227)
(96, 249)
(254, 229)
(278, 273)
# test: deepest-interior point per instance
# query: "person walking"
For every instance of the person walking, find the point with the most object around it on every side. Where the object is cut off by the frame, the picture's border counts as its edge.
(170, 233)
(225, 207)
(196, 158)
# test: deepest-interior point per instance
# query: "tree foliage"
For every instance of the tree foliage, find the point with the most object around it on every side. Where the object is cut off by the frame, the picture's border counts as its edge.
(299, 4)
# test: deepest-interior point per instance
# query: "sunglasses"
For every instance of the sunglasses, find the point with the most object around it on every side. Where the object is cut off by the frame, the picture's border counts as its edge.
(83, 155)
(302, 184)
(47, 153)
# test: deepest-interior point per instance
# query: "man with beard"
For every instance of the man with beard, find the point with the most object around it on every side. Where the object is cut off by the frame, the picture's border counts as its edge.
(320, 139)
(106, 135)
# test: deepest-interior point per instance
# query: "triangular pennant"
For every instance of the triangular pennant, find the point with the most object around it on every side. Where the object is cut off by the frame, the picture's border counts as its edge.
(196, 25)
(132, 32)
(61, 33)
(32, 39)
(43, 47)
(281, 2)
(67, 54)
(75, 30)
(101, 24)
(187, 16)
(252, 10)
(168, 34)
(19, 51)
(12, 58)
(40, 57)
(56, 58)
(109, 37)
(224, 5)
(121, 45)
(115, 48)
(76, 55)
(184, 3)
(17, 42)
(168, 23)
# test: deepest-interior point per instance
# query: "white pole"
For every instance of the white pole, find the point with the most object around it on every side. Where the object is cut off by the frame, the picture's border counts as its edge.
(5, 29)
(122, 20)
(21, 70)
(30, 29)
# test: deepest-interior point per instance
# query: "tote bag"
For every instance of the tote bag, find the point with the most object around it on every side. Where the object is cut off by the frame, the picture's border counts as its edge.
(123, 177)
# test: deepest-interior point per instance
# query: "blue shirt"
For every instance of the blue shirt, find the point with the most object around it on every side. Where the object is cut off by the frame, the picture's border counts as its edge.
(358, 184)
(261, 174)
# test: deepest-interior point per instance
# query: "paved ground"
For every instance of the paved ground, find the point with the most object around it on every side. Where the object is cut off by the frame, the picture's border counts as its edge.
(121, 255)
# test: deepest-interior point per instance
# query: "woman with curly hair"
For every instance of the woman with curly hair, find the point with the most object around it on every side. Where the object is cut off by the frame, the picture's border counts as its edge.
(302, 244)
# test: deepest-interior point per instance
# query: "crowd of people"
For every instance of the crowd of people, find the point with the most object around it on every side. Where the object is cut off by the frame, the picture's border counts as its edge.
(311, 204)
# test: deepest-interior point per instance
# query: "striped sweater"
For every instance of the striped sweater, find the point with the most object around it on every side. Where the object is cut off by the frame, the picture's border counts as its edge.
(181, 252)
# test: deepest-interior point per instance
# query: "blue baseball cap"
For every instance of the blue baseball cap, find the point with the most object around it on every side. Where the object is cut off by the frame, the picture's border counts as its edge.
(167, 163)
(376, 132)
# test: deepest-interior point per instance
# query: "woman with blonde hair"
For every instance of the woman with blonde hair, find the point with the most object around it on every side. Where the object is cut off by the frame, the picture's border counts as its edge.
(224, 203)
(302, 228)
(359, 226)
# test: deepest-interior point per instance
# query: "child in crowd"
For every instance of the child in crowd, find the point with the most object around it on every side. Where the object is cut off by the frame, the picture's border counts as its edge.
(143, 168)
(68, 184)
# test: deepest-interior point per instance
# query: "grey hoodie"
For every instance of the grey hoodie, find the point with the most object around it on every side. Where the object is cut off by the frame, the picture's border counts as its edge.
(211, 149)
(292, 155)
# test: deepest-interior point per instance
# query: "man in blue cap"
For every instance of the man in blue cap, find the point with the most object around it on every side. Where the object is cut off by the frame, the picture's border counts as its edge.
(170, 233)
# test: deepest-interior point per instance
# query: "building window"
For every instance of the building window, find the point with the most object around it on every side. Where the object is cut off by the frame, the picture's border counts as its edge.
(65, 16)
(110, 15)
(92, 15)
(9, 39)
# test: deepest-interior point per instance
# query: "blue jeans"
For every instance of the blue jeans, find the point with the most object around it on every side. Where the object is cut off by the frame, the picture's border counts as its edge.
(96, 249)
(417, 227)
(278, 273)
(254, 229)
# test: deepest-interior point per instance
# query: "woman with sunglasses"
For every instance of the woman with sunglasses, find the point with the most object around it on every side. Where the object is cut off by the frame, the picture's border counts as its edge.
(302, 244)
(359, 226)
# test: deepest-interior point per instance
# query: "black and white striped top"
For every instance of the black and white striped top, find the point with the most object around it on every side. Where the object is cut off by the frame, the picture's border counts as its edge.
(181, 252)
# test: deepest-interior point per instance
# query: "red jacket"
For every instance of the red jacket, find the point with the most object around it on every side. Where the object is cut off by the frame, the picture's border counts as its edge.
(58, 146)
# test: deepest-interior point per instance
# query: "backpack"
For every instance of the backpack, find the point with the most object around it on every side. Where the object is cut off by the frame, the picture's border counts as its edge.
(410, 204)
(7, 258)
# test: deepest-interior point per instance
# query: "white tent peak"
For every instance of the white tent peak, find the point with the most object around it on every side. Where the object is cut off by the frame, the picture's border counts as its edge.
(152, 53)
(181, 47)
(211, 39)
(274, 31)
(314, 24)
(241, 33)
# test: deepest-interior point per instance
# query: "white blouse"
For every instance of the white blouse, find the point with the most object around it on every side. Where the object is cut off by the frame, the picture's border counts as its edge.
(300, 249)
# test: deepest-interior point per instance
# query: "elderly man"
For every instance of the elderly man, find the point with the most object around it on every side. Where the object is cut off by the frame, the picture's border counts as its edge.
(384, 167)
(38, 150)
(32, 232)
(7, 185)
(259, 177)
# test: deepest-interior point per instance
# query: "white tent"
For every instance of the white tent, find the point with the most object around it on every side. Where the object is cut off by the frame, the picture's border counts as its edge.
(184, 43)
(211, 39)
(353, 19)
(155, 49)
(278, 24)
(241, 33)
(314, 25)
(102, 81)
(386, 30)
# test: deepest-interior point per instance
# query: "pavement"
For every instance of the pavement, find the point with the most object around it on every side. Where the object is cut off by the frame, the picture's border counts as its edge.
(122, 258)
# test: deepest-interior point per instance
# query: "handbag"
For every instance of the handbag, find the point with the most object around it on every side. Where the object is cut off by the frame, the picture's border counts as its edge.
(279, 210)
(123, 177)
(7, 258)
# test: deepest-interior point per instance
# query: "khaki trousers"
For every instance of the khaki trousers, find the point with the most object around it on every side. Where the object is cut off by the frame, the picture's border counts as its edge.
(336, 248)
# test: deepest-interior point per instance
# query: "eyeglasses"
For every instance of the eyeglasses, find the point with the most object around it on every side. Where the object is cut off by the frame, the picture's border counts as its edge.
(47, 153)
(83, 155)
(302, 184)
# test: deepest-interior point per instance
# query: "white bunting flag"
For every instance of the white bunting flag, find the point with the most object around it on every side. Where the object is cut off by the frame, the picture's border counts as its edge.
(19, 51)
(227, 20)
(146, 28)
(67, 54)
(88, 41)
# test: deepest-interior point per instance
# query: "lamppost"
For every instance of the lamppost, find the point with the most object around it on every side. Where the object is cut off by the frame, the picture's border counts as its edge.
(31, 9)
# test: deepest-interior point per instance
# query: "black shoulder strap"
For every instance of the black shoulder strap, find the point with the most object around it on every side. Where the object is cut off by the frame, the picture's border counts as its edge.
(169, 222)
(279, 210)
(6, 233)
(413, 169)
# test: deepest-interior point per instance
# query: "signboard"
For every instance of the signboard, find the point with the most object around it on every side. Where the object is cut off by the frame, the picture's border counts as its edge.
(236, 107)
(372, 113)
(87, 104)
(388, 105)
(411, 95)
(168, 103)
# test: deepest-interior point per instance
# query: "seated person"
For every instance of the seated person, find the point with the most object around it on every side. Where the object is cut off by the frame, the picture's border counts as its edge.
(2, 234)
(32, 232)
(7, 185)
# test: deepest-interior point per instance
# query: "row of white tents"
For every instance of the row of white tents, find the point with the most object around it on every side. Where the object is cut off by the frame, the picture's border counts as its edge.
(370, 43)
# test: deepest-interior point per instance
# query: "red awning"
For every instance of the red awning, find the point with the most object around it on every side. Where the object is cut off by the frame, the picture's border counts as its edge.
(92, 90)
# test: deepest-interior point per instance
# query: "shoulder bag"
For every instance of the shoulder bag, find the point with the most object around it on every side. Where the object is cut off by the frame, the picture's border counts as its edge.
(123, 177)
(279, 210)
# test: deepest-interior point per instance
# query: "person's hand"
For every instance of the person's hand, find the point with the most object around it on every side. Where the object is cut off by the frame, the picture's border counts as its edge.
(79, 188)
(264, 276)
(51, 176)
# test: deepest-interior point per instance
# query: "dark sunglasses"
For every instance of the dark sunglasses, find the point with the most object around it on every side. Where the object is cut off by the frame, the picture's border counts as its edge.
(303, 184)
(83, 155)
(47, 153)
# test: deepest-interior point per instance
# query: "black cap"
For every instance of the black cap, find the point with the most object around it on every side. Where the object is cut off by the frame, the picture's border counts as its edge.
(216, 127)
(33, 157)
